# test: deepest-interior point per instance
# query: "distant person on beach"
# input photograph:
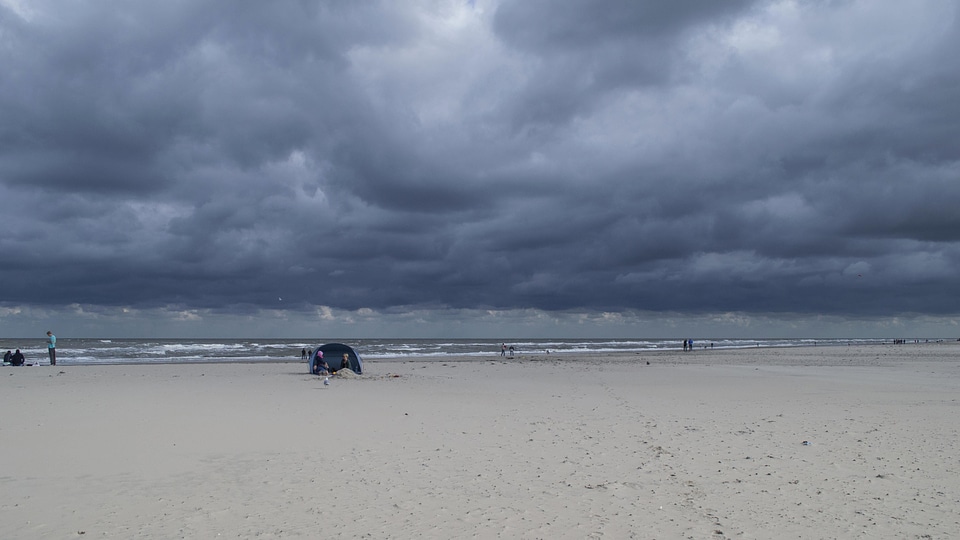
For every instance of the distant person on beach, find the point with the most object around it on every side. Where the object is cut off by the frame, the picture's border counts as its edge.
(17, 358)
(503, 349)
(6, 357)
(345, 362)
(511, 351)
(303, 353)
(684, 344)
(52, 347)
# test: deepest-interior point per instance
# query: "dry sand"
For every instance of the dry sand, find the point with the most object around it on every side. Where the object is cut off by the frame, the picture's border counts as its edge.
(697, 445)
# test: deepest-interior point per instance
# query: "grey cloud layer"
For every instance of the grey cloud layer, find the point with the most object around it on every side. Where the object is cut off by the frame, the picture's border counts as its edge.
(695, 156)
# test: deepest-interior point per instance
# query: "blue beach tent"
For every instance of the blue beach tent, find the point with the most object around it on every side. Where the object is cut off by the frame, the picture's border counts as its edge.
(333, 354)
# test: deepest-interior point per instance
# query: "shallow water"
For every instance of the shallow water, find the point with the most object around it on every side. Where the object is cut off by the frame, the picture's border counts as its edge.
(121, 351)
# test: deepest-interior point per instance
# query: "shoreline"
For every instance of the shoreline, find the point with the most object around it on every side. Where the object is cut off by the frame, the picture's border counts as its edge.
(729, 355)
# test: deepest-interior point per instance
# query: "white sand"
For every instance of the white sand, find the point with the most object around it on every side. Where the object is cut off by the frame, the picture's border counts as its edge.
(695, 445)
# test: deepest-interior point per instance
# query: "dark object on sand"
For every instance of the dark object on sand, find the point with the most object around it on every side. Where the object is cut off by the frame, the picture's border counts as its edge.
(333, 352)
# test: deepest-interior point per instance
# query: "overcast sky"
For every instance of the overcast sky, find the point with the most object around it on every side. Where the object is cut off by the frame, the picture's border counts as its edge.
(433, 168)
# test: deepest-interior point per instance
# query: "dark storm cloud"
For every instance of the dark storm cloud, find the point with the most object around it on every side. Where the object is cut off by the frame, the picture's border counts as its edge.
(587, 50)
(769, 157)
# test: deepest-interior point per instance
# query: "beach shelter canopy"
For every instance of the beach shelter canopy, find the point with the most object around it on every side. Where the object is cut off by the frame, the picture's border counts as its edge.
(333, 354)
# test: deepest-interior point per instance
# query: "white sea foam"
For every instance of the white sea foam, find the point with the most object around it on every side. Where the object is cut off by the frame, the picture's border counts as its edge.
(115, 350)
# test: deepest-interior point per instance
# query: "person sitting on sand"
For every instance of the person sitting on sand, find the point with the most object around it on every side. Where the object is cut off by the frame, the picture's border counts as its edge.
(7, 357)
(345, 361)
(319, 366)
(17, 358)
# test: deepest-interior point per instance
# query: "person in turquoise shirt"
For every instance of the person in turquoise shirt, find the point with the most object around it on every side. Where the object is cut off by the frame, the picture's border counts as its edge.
(52, 347)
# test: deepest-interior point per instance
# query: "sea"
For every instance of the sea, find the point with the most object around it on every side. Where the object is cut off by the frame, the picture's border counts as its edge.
(78, 351)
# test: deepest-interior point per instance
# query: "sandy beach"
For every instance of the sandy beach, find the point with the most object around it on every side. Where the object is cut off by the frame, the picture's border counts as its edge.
(814, 442)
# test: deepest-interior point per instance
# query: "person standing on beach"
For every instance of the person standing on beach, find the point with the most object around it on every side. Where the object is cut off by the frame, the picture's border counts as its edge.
(503, 349)
(52, 347)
